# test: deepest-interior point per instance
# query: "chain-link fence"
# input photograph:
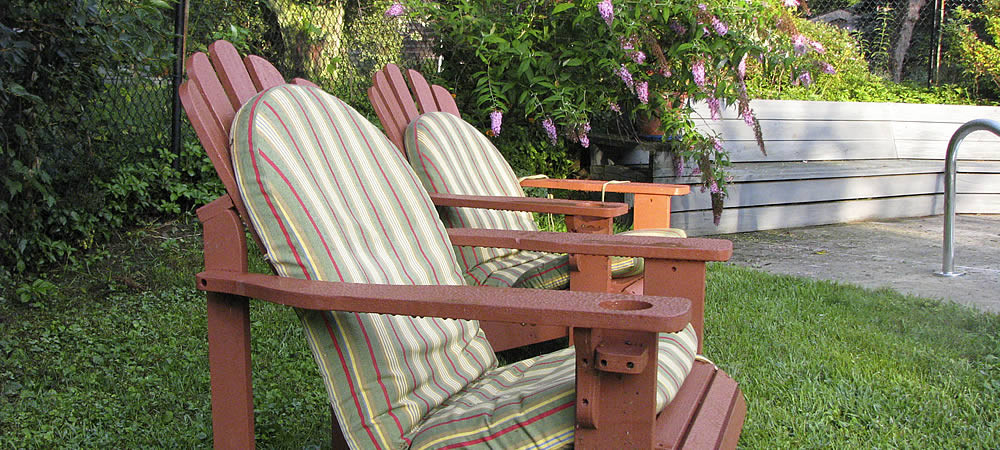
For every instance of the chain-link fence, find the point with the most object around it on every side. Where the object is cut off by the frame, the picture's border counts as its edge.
(902, 39)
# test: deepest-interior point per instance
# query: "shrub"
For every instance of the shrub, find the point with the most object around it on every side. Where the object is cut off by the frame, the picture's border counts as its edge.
(977, 35)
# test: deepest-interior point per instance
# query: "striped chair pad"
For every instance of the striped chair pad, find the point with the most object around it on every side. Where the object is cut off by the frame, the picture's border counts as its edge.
(491, 411)
(333, 200)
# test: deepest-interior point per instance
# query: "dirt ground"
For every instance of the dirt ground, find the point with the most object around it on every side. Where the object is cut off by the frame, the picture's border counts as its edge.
(901, 254)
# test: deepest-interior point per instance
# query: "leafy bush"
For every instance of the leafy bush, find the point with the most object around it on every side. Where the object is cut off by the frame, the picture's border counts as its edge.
(852, 82)
(70, 172)
(977, 35)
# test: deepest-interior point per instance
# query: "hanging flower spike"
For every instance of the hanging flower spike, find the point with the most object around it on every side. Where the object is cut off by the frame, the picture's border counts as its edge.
(720, 26)
(698, 71)
(827, 68)
(792, 3)
(642, 91)
(496, 117)
(702, 7)
(639, 57)
(816, 45)
(741, 68)
(550, 129)
(395, 10)
(805, 79)
(714, 108)
(607, 11)
(748, 117)
(626, 76)
(614, 107)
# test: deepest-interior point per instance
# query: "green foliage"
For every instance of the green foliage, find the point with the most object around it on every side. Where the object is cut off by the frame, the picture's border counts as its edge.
(977, 35)
(562, 64)
(852, 82)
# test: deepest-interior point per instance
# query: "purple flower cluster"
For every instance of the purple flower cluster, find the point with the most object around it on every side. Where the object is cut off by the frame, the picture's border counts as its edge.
(665, 71)
(714, 187)
(698, 71)
(818, 46)
(496, 117)
(550, 129)
(791, 3)
(805, 79)
(801, 44)
(639, 57)
(395, 10)
(626, 76)
(627, 44)
(720, 26)
(748, 117)
(614, 107)
(642, 91)
(714, 107)
(607, 11)
(827, 68)
(741, 68)
(584, 139)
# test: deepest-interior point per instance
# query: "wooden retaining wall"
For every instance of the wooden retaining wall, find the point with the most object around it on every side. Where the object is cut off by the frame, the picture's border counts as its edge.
(827, 162)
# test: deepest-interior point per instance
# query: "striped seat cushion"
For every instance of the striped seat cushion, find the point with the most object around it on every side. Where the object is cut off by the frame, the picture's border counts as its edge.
(491, 412)
(450, 156)
(332, 199)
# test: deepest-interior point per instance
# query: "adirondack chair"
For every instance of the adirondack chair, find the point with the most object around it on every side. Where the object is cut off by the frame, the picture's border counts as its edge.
(444, 150)
(367, 265)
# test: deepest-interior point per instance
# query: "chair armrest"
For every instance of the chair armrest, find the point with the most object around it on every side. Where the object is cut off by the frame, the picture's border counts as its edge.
(598, 186)
(543, 307)
(530, 204)
(653, 247)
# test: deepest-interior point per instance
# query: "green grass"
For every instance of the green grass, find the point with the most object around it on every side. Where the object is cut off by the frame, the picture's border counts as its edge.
(115, 356)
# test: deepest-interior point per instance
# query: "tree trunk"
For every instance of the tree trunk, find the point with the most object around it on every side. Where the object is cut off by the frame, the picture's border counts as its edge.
(312, 32)
(905, 35)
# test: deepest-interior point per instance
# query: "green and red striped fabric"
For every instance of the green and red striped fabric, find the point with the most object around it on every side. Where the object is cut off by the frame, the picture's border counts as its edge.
(333, 200)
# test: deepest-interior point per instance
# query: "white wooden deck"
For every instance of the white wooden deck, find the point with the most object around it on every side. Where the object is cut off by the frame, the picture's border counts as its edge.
(834, 162)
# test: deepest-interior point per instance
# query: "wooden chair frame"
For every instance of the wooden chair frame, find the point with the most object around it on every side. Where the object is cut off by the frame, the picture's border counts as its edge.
(614, 396)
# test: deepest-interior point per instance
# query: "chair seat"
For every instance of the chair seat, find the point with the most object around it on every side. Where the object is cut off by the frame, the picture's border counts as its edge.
(532, 402)
(538, 270)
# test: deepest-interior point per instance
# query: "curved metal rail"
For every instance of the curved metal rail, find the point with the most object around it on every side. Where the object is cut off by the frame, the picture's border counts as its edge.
(948, 260)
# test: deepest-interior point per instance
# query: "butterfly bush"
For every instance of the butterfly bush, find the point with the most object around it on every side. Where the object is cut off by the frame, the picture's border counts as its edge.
(569, 63)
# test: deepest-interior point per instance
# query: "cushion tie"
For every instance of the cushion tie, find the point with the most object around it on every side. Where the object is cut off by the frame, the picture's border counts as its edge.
(604, 186)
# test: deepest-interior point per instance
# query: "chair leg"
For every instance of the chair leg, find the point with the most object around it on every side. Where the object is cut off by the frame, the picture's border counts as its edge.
(229, 366)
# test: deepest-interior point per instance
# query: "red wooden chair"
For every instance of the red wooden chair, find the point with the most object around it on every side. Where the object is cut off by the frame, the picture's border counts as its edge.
(619, 345)
(424, 122)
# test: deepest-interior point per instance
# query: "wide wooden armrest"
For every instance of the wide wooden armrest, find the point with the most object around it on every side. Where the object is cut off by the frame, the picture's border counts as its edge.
(530, 204)
(598, 186)
(537, 306)
(689, 249)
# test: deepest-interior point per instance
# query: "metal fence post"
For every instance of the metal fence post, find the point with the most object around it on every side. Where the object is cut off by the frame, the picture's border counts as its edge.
(180, 39)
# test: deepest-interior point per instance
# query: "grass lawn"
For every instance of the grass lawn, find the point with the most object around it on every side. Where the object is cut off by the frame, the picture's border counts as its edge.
(113, 354)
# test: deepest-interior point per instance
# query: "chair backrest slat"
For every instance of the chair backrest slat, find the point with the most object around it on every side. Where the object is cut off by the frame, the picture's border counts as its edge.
(394, 113)
(422, 91)
(263, 73)
(233, 75)
(210, 132)
(200, 70)
(304, 82)
(445, 101)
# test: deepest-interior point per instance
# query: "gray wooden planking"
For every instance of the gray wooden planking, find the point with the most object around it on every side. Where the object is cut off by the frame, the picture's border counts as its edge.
(938, 149)
(858, 111)
(767, 171)
(974, 204)
(802, 130)
(738, 220)
(744, 195)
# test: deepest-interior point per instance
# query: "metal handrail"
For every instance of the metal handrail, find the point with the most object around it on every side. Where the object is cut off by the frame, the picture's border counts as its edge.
(948, 260)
